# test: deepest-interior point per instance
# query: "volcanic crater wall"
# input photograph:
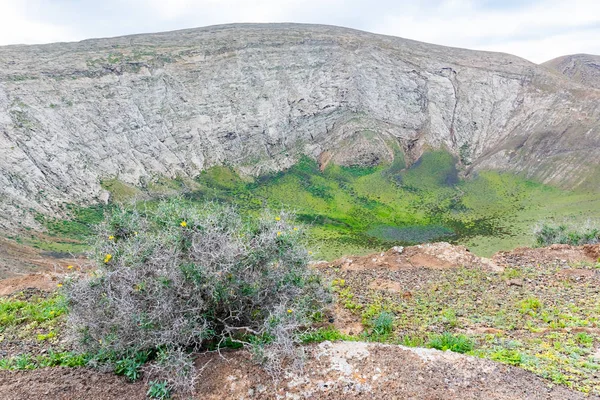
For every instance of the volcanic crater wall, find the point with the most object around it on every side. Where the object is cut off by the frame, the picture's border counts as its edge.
(258, 96)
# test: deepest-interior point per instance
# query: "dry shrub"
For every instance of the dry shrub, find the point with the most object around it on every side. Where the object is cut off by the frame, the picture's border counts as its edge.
(176, 277)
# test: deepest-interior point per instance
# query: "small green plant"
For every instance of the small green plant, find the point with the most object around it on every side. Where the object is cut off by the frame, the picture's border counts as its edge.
(130, 366)
(412, 341)
(448, 341)
(512, 273)
(559, 378)
(50, 359)
(159, 390)
(24, 361)
(38, 309)
(62, 359)
(383, 323)
(530, 305)
(449, 317)
(584, 339)
(48, 336)
(507, 356)
(347, 298)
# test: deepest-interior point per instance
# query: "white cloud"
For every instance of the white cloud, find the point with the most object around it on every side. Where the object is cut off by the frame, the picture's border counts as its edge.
(538, 33)
(537, 30)
(546, 48)
(16, 27)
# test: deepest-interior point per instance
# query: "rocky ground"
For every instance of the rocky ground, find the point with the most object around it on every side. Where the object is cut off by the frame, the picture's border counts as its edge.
(582, 68)
(349, 370)
(531, 314)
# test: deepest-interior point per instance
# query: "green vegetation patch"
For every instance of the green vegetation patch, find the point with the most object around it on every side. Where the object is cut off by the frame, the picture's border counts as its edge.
(36, 310)
(357, 210)
(548, 234)
(31, 323)
(120, 191)
(67, 235)
(452, 342)
(50, 359)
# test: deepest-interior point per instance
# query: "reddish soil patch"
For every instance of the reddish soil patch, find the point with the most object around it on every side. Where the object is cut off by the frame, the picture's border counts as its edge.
(429, 261)
(592, 251)
(42, 281)
(346, 322)
(385, 284)
(577, 273)
(23, 267)
(324, 159)
(432, 256)
(526, 256)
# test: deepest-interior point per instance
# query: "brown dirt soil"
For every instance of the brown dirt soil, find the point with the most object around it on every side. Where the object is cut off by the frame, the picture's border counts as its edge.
(18, 260)
(42, 281)
(557, 252)
(592, 251)
(385, 284)
(346, 322)
(67, 384)
(23, 267)
(431, 256)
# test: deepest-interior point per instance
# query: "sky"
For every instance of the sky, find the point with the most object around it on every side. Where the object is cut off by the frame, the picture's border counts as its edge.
(537, 30)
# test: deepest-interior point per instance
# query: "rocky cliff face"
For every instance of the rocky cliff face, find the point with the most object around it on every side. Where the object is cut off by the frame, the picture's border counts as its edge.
(582, 68)
(258, 96)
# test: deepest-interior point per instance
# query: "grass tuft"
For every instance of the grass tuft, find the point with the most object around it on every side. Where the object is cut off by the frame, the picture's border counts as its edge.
(449, 341)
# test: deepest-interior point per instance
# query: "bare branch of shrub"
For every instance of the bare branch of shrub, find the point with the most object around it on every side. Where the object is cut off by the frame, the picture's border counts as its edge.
(179, 276)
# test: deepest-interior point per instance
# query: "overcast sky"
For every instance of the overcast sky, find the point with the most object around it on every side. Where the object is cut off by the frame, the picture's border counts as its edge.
(537, 30)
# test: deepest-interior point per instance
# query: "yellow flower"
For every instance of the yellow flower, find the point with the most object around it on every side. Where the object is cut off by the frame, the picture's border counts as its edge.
(69, 267)
(295, 228)
(309, 253)
(278, 233)
(183, 224)
(107, 258)
(59, 285)
(289, 310)
(135, 233)
(277, 218)
(111, 237)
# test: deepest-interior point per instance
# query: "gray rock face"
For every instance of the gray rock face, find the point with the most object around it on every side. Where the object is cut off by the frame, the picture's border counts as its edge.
(259, 96)
(582, 68)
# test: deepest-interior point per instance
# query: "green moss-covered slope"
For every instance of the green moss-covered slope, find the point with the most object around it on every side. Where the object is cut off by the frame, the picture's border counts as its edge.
(355, 210)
